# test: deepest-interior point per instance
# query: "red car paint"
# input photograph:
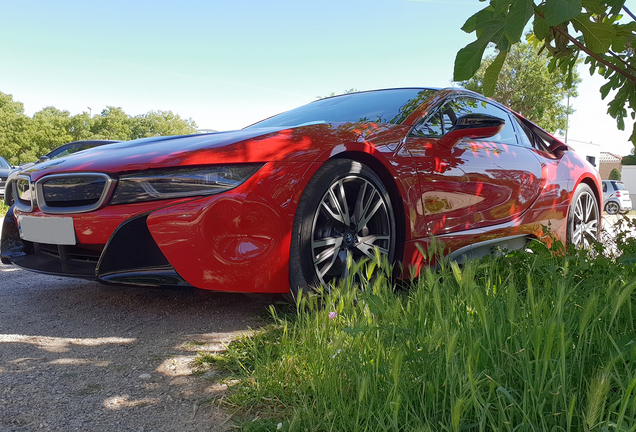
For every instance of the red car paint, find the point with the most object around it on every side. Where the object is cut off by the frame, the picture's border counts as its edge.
(239, 240)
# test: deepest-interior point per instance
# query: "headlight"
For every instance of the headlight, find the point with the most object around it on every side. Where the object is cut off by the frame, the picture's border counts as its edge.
(181, 182)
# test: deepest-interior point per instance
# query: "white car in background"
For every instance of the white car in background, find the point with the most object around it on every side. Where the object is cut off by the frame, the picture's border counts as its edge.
(616, 197)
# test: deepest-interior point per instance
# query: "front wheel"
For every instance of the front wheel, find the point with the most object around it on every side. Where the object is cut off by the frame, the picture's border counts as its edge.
(583, 218)
(344, 210)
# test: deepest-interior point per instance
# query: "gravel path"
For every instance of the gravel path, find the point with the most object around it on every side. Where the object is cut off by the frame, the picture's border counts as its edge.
(80, 356)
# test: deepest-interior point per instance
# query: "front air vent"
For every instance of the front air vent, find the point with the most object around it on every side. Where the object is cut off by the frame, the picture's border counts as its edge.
(72, 193)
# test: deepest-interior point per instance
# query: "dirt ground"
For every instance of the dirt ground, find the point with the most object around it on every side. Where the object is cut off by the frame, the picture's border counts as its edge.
(80, 356)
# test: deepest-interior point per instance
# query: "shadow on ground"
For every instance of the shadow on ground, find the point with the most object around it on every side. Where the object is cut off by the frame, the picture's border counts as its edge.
(77, 355)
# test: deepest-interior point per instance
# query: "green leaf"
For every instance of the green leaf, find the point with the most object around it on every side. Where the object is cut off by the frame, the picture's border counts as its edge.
(594, 6)
(519, 15)
(501, 41)
(492, 73)
(559, 11)
(501, 6)
(619, 44)
(468, 60)
(616, 6)
(540, 27)
(598, 37)
(476, 21)
(375, 303)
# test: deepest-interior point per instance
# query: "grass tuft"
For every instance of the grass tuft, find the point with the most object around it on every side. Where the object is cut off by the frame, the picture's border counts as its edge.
(531, 340)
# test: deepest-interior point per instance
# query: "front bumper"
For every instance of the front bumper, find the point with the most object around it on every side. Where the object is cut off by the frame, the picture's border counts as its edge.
(235, 241)
(129, 257)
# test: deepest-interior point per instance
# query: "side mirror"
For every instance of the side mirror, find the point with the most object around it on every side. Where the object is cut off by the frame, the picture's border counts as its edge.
(43, 159)
(472, 126)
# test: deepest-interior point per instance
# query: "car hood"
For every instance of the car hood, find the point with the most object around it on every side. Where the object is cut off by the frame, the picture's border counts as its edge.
(296, 144)
(4, 172)
(158, 152)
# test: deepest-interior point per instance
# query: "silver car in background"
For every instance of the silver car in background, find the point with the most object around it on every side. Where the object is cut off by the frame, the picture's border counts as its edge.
(616, 197)
(5, 170)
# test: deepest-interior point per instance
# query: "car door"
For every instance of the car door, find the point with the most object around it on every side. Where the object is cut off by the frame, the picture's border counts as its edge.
(475, 183)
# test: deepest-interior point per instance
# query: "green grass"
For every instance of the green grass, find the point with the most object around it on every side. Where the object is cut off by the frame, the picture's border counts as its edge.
(539, 341)
(3, 209)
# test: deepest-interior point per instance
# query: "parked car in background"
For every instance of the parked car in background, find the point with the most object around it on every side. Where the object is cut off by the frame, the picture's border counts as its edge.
(58, 152)
(616, 197)
(284, 204)
(67, 149)
(5, 169)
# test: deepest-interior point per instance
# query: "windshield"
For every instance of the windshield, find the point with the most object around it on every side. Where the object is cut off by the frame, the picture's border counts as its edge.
(380, 106)
(4, 163)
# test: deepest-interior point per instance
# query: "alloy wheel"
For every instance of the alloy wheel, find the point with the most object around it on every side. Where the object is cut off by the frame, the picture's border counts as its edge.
(612, 207)
(352, 218)
(585, 221)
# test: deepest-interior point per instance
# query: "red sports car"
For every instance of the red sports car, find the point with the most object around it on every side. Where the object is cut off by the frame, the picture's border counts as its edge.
(280, 204)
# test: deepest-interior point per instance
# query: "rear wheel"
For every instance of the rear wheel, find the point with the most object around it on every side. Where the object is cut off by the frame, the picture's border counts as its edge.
(345, 209)
(583, 218)
(612, 207)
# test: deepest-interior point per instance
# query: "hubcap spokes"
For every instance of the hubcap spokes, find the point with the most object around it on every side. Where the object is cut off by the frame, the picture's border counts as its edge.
(585, 226)
(352, 218)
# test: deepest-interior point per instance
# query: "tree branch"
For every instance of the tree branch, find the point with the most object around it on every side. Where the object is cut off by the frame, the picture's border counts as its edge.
(629, 13)
(595, 56)
(617, 57)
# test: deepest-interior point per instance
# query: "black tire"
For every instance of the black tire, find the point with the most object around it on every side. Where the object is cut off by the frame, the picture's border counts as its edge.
(612, 207)
(341, 191)
(584, 218)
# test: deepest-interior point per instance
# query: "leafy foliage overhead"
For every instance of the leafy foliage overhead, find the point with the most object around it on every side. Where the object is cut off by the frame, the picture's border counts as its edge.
(525, 85)
(603, 31)
(24, 138)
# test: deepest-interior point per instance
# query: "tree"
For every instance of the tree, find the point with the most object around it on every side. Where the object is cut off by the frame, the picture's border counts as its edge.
(159, 123)
(50, 129)
(113, 123)
(24, 139)
(525, 85)
(14, 130)
(614, 174)
(628, 160)
(565, 29)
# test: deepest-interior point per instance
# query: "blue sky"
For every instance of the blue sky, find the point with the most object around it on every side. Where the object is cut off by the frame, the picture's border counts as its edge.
(228, 64)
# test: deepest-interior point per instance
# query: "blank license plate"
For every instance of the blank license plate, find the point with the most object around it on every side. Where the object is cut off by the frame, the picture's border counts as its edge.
(50, 230)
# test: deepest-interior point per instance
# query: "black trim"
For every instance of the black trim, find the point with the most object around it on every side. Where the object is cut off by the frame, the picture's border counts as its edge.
(161, 276)
(131, 248)
(488, 247)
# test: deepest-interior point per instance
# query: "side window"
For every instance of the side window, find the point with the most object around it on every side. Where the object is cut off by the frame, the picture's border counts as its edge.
(524, 135)
(604, 187)
(467, 105)
(432, 127)
(529, 138)
(448, 119)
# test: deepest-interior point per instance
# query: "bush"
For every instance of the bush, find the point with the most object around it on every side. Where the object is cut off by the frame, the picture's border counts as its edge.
(533, 340)
(615, 174)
